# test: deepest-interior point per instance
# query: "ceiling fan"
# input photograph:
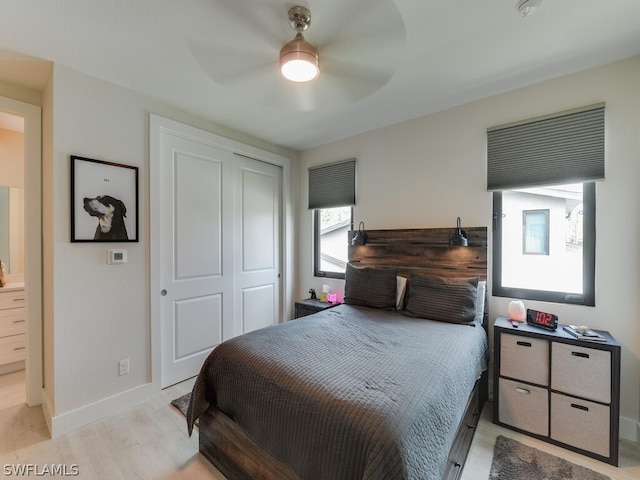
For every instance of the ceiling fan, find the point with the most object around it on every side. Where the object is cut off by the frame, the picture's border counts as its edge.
(358, 45)
(298, 58)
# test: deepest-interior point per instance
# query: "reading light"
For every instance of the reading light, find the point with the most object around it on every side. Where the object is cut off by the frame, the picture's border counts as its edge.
(459, 238)
(360, 238)
(298, 58)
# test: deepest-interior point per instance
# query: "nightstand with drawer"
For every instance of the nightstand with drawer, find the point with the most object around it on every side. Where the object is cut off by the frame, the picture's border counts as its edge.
(309, 306)
(557, 388)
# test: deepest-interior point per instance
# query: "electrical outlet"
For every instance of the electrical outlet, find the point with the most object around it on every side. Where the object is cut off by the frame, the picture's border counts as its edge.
(124, 367)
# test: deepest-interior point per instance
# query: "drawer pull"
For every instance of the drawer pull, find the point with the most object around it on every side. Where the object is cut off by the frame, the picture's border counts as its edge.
(523, 390)
(18, 299)
(580, 354)
(18, 321)
(524, 344)
(580, 407)
(18, 348)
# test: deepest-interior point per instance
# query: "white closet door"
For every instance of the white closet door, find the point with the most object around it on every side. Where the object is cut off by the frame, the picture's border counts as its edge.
(196, 242)
(219, 247)
(257, 256)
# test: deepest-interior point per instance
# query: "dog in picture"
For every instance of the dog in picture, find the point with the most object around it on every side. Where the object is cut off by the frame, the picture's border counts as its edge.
(110, 213)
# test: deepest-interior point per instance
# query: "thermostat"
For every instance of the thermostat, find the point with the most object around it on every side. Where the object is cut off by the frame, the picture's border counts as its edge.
(117, 256)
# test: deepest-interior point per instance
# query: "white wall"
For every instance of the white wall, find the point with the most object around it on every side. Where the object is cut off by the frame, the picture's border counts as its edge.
(428, 171)
(97, 314)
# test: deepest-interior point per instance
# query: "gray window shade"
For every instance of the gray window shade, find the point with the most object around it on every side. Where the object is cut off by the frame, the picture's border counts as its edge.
(333, 185)
(563, 148)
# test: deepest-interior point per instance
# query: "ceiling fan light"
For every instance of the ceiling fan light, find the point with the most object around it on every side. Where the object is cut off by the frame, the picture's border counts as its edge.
(299, 70)
(299, 60)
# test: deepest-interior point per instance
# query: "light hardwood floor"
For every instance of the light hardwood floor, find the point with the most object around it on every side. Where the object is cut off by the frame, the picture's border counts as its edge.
(149, 441)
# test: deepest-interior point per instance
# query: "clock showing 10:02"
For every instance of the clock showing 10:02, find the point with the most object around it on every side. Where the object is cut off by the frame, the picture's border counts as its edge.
(545, 320)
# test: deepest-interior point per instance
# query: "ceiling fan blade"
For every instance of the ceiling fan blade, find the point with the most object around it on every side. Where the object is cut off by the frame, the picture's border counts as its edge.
(373, 75)
(242, 17)
(242, 36)
(333, 17)
(357, 57)
(226, 64)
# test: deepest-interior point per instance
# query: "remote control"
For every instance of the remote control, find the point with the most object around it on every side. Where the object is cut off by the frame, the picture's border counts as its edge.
(514, 323)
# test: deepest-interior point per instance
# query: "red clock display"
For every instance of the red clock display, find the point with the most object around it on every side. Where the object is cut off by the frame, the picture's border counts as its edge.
(545, 320)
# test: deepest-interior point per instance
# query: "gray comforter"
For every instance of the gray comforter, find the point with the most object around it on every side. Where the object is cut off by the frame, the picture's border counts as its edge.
(348, 393)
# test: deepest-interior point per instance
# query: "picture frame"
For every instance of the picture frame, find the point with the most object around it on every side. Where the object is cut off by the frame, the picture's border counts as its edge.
(104, 201)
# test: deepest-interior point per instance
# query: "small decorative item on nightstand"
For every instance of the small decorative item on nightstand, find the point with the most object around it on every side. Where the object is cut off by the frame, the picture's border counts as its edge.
(517, 312)
(310, 306)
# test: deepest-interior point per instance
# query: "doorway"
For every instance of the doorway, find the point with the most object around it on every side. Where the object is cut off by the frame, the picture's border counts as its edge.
(22, 324)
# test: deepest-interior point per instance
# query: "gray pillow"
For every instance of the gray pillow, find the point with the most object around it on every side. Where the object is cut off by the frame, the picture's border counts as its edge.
(446, 299)
(370, 287)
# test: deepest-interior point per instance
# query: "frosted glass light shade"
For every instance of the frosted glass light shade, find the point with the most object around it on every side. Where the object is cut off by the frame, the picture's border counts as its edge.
(299, 60)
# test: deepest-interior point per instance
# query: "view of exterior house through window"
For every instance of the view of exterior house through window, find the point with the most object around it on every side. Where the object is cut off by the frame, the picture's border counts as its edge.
(549, 223)
(332, 227)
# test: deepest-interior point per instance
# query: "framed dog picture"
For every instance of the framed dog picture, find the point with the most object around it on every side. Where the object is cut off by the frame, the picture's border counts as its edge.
(104, 201)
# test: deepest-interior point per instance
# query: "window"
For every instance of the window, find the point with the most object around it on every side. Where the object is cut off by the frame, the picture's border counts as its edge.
(535, 232)
(331, 243)
(332, 194)
(544, 243)
(543, 172)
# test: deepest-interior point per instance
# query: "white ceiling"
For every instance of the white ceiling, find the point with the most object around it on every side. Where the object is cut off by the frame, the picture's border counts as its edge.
(382, 61)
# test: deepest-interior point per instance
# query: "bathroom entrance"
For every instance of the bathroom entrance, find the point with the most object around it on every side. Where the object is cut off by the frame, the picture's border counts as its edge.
(21, 369)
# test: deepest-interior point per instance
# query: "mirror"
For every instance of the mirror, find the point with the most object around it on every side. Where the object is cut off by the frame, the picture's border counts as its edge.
(12, 229)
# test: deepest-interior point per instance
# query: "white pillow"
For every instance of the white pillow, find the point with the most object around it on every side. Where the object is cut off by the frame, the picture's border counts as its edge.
(482, 288)
(401, 287)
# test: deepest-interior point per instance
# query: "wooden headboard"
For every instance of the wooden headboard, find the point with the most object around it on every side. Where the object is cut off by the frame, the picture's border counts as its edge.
(423, 251)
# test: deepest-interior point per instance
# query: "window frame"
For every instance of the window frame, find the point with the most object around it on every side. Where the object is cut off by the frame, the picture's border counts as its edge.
(525, 213)
(317, 254)
(588, 257)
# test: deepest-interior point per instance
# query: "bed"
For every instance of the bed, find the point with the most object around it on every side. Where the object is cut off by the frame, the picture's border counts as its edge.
(373, 389)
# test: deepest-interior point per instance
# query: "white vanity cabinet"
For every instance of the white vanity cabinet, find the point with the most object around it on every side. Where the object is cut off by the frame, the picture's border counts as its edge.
(12, 326)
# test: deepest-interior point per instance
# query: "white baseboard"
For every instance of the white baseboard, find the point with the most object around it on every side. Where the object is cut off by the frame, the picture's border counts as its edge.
(48, 413)
(630, 429)
(68, 421)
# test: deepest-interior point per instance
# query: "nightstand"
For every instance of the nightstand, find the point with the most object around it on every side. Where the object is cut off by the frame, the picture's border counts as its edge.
(308, 307)
(557, 388)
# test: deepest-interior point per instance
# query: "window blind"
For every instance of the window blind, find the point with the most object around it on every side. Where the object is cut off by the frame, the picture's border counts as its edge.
(333, 185)
(561, 148)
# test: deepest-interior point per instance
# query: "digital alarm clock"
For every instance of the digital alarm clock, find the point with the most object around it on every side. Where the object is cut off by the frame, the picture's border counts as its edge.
(545, 320)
